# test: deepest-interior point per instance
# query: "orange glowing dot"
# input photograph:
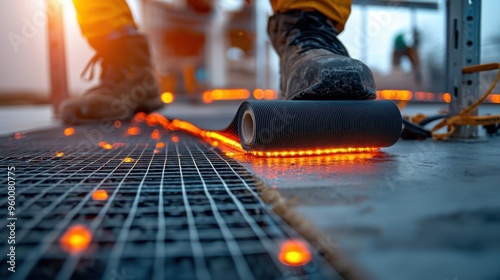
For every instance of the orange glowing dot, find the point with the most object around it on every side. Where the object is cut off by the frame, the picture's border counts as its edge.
(294, 253)
(140, 117)
(155, 134)
(18, 135)
(107, 146)
(69, 131)
(156, 151)
(269, 94)
(118, 124)
(99, 195)
(207, 97)
(229, 154)
(495, 98)
(175, 139)
(447, 97)
(215, 143)
(167, 97)
(160, 145)
(59, 154)
(76, 239)
(133, 130)
(258, 94)
(128, 159)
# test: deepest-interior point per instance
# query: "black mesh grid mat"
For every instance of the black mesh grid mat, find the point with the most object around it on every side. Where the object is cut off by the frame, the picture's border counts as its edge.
(175, 210)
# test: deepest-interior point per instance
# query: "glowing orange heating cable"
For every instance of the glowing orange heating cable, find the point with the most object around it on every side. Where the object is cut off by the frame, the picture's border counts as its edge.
(233, 143)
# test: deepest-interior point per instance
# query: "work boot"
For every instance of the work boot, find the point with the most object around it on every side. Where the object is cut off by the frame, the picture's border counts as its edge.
(313, 62)
(127, 83)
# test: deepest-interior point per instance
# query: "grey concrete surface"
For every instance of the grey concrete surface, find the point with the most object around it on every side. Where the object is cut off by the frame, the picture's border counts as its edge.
(418, 210)
(25, 118)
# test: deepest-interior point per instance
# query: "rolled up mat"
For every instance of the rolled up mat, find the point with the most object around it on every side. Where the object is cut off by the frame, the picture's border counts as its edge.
(301, 125)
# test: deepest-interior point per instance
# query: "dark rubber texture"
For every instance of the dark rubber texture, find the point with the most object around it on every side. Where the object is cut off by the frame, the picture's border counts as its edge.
(348, 85)
(301, 125)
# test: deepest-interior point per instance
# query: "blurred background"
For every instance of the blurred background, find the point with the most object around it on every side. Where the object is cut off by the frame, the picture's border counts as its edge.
(200, 48)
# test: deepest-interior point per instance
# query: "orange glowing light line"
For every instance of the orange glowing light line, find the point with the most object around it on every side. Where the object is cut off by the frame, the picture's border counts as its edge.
(394, 94)
(225, 94)
(315, 152)
(232, 143)
(186, 126)
(224, 140)
(154, 119)
(495, 98)
(59, 154)
(268, 94)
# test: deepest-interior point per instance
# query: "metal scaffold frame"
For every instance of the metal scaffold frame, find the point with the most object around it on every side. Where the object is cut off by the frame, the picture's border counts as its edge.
(463, 49)
(57, 54)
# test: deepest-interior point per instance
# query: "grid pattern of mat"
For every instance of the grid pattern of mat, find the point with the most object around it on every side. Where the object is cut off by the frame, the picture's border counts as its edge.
(182, 211)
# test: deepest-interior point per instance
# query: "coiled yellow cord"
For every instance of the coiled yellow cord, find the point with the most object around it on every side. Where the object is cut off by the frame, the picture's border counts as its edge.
(464, 117)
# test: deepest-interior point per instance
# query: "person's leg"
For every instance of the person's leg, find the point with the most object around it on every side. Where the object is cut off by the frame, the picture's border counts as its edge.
(412, 54)
(396, 58)
(99, 19)
(313, 62)
(127, 83)
(338, 10)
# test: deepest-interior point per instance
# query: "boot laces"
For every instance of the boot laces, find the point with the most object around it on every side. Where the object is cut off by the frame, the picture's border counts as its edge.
(314, 32)
(112, 72)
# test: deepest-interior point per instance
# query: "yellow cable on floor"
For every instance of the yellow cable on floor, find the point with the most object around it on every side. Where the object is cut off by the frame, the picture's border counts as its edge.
(464, 117)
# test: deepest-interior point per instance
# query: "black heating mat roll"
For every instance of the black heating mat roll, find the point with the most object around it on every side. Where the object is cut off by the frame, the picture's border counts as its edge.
(298, 125)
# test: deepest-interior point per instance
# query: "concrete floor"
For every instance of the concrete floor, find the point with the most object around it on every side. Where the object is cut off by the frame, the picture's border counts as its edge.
(417, 210)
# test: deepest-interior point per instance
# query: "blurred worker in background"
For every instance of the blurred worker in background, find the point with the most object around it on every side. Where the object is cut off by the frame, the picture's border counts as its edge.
(403, 49)
(313, 62)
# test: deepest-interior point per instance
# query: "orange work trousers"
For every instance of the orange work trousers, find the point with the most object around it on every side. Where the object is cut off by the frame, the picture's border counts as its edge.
(98, 18)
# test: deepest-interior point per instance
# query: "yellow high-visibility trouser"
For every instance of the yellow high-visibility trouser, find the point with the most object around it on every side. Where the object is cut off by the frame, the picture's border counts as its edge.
(98, 18)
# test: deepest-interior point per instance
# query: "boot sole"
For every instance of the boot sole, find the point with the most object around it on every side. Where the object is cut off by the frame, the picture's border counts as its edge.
(337, 85)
